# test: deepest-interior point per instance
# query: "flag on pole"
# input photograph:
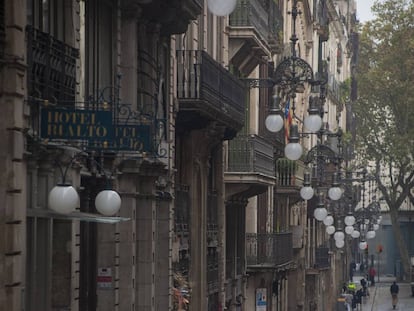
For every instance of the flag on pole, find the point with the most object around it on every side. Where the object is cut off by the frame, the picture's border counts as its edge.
(288, 120)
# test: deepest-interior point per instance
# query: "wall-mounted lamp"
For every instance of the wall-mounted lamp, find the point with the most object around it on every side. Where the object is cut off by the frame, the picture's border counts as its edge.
(64, 199)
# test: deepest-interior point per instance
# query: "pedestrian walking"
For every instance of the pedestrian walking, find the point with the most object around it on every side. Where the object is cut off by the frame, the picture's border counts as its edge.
(364, 287)
(358, 299)
(394, 289)
(372, 272)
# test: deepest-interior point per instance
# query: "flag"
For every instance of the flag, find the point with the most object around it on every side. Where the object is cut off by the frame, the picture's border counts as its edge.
(288, 120)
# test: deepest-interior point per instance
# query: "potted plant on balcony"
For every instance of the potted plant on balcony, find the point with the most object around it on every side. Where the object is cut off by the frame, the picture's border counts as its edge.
(286, 171)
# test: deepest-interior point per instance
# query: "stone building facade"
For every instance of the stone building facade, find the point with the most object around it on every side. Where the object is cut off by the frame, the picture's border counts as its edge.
(164, 103)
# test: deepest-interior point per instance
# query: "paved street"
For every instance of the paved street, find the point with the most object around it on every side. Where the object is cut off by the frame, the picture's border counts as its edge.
(380, 297)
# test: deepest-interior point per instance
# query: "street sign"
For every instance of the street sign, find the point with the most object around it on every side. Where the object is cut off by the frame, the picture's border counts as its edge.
(94, 129)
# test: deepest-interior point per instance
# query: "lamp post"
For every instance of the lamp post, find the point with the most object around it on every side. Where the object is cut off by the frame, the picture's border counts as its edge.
(290, 76)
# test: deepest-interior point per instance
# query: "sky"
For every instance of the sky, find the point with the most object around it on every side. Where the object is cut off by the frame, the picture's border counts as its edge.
(364, 10)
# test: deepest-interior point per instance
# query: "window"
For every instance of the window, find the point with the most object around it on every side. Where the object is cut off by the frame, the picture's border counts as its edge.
(51, 17)
(99, 45)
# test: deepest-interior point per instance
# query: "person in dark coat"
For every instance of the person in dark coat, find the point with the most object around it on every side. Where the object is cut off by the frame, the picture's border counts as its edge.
(394, 289)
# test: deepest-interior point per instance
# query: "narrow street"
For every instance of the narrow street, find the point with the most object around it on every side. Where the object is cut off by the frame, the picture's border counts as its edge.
(380, 297)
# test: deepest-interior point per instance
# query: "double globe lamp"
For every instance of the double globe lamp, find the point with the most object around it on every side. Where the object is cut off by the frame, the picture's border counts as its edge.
(64, 199)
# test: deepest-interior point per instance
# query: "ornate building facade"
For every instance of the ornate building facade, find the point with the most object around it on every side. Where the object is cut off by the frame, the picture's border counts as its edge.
(164, 103)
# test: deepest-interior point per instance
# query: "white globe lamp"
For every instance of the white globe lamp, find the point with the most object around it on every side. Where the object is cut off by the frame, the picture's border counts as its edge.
(371, 234)
(349, 230)
(108, 202)
(63, 199)
(362, 245)
(274, 122)
(293, 150)
(328, 221)
(313, 123)
(376, 227)
(339, 235)
(339, 243)
(221, 7)
(306, 192)
(320, 213)
(330, 230)
(335, 193)
(349, 220)
(355, 234)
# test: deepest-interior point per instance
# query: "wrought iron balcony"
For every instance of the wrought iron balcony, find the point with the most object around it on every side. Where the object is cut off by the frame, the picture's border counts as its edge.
(208, 92)
(251, 154)
(52, 67)
(321, 19)
(320, 260)
(334, 89)
(289, 176)
(263, 16)
(173, 16)
(212, 242)
(182, 229)
(268, 250)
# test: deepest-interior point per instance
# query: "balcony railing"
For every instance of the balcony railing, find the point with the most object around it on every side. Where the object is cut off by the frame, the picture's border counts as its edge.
(271, 249)
(251, 153)
(334, 89)
(173, 16)
(289, 173)
(182, 228)
(322, 258)
(263, 16)
(52, 67)
(212, 242)
(207, 88)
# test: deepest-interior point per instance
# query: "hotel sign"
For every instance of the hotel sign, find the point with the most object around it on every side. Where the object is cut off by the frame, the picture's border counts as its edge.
(95, 128)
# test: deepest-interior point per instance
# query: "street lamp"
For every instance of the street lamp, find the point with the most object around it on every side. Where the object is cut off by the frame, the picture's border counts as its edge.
(335, 192)
(313, 122)
(64, 199)
(290, 76)
(306, 192)
(293, 150)
(274, 121)
(320, 211)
